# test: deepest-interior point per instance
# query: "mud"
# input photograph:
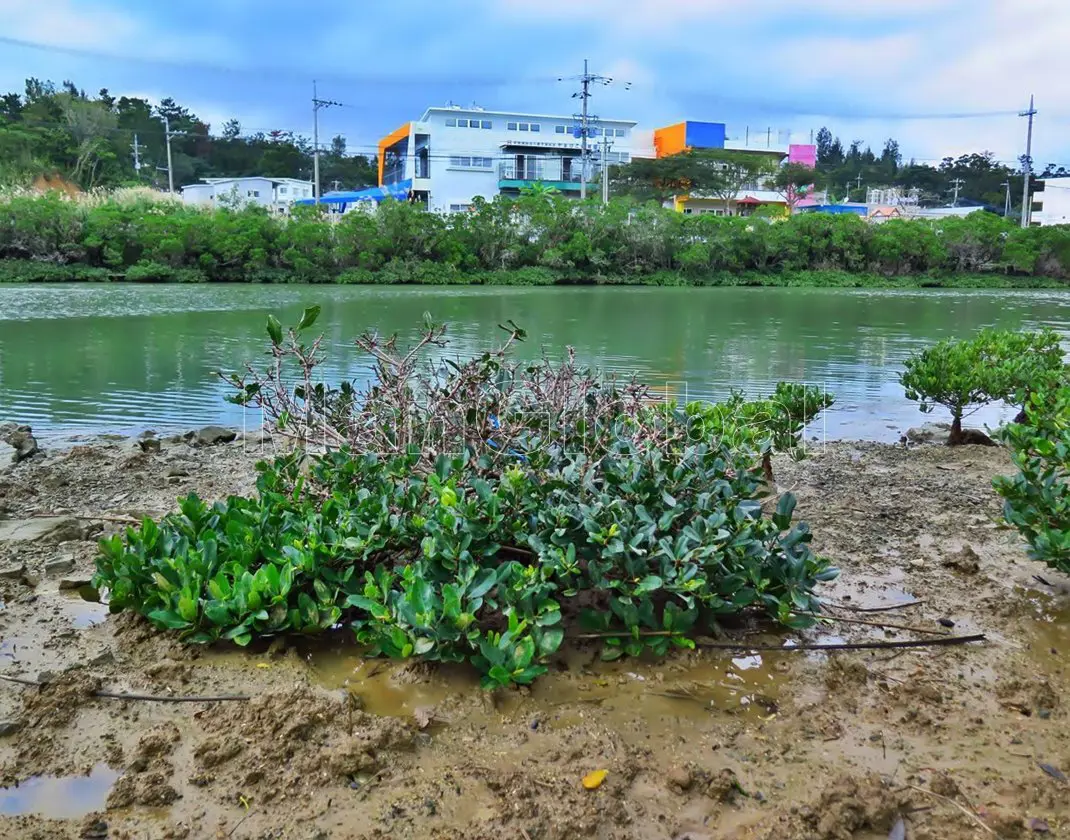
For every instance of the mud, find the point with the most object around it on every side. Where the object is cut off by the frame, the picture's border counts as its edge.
(704, 744)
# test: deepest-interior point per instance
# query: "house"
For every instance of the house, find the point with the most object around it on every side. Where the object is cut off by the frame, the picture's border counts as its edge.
(453, 154)
(688, 135)
(1051, 202)
(274, 193)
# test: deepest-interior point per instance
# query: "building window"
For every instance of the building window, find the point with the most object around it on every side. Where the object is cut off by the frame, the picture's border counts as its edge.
(465, 162)
(511, 126)
(524, 126)
(308, 193)
(536, 127)
(560, 129)
(486, 124)
(460, 208)
(282, 190)
(253, 193)
(451, 122)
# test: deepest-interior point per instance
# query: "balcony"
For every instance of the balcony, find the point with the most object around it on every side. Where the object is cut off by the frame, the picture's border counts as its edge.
(558, 173)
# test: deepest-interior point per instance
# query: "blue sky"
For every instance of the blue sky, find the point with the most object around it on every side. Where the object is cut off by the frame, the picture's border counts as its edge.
(868, 69)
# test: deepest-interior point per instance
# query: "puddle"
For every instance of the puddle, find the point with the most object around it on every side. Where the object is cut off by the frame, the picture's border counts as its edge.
(80, 608)
(59, 797)
(695, 689)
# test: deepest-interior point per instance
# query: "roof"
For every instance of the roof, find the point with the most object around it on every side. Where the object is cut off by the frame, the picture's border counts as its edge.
(570, 118)
(398, 191)
(211, 181)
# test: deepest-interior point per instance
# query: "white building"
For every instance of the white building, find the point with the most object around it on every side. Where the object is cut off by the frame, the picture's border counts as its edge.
(1051, 205)
(273, 193)
(452, 154)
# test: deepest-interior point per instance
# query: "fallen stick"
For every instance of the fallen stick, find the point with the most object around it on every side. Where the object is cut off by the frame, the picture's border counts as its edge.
(713, 645)
(887, 608)
(158, 698)
(869, 623)
(958, 805)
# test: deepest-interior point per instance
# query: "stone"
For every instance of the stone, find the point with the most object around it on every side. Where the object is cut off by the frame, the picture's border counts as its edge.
(20, 439)
(178, 472)
(14, 572)
(917, 563)
(74, 582)
(151, 444)
(9, 727)
(46, 529)
(680, 777)
(966, 561)
(212, 435)
(59, 566)
(935, 433)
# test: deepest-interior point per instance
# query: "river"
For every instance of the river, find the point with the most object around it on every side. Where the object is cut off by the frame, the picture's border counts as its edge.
(86, 358)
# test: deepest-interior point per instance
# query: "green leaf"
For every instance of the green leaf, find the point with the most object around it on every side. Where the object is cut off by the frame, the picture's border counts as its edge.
(550, 640)
(274, 330)
(308, 317)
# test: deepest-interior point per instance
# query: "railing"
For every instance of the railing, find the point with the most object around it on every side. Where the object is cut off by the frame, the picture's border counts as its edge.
(538, 170)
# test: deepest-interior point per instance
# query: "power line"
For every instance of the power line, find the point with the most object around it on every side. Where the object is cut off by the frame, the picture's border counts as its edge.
(584, 94)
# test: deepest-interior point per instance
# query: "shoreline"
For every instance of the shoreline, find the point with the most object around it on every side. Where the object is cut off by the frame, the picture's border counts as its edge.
(14, 272)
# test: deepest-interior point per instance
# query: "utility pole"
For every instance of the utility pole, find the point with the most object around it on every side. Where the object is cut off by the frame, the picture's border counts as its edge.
(168, 134)
(584, 94)
(605, 169)
(1007, 201)
(956, 185)
(317, 103)
(137, 155)
(1027, 163)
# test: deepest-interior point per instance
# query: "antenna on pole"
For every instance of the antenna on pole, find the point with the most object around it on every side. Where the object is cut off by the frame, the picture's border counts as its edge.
(317, 103)
(137, 155)
(168, 134)
(584, 94)
(1007, 202)
(1027, 163)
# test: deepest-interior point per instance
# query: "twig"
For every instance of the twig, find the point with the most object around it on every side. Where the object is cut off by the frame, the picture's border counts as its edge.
(126, 520)
(887, 608)
(178, 698)
(712, 645)
(958, 805)
(869, 623)
(525, 834)
(237, 825)
(158, 698)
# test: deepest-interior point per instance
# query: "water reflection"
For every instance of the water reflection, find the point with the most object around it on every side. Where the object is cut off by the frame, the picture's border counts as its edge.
(124, 358)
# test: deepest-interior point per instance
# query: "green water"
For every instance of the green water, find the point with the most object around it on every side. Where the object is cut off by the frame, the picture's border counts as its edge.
(118, 358)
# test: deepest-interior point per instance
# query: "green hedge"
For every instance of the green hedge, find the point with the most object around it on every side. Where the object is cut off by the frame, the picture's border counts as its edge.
(533, 240)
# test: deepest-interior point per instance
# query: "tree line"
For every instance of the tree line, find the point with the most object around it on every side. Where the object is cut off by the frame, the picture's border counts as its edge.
(89, 142)
(538, 238)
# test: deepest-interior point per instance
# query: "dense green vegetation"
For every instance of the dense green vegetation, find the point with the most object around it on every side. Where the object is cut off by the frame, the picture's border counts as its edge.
(566, 499)
(962, 376)
(537, 239)
(1037, 499)
(87, 141)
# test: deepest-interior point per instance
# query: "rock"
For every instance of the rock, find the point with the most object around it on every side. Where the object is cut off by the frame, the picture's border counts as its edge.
(14, 572)
(46, 529)
(9, 727)
(151, 444)
(917, 563)
(212, 435)
(177, 472)
(59, 566)
(966, 561)
(20, 439)
(945, 622)
(936, 433)
(74, 582)
(680, 777)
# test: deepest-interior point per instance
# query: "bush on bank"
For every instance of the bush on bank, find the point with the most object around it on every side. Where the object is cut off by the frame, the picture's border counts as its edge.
(533, 240)
(477, 512)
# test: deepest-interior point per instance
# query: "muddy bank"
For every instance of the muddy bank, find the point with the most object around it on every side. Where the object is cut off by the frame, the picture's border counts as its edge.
(701, 745)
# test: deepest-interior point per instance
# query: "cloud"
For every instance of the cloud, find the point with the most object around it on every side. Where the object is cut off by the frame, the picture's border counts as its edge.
(61, 23)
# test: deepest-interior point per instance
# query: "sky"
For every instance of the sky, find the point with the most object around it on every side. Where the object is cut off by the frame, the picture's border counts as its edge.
(916, 70)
